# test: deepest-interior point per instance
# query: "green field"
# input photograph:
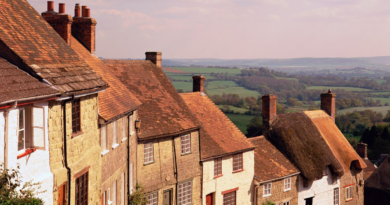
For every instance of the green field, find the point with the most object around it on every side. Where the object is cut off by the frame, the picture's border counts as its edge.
(187, 77)
(333, 88)
(235, 109)
(241, 121)
(231, 72)
(220, 84)
(242, 92)
(382, 109)
(383, 100)
(185, 86)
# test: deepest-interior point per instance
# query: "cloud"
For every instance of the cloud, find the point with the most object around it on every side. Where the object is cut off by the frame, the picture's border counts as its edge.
(322, 13)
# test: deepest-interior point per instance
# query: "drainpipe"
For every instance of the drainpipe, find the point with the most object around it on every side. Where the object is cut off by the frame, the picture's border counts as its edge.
(5, 139)
(176, 173)
(66, 149)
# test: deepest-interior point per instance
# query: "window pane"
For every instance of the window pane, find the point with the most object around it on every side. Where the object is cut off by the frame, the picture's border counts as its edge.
(185, 144)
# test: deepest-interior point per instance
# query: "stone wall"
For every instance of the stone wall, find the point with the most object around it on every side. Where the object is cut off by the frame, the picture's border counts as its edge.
(352, 178)
(160, 175)
(84, 150)
(242, 180)
(278, 194)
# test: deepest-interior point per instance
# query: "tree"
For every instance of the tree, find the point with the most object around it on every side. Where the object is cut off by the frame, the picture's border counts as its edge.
(254, 128)
(138, 196)
(385, 134)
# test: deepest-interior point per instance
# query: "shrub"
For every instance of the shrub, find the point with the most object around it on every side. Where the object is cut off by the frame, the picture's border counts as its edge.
(138, 196)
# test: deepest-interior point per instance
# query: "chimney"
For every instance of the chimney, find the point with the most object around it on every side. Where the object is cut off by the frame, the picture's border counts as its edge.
(269, 109)
(362, 150)
(328, 103)
(60, 22)
(198, 83)
(84, 28)
(155, 57)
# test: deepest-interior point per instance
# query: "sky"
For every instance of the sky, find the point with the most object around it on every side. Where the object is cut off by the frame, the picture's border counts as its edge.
(237, 29)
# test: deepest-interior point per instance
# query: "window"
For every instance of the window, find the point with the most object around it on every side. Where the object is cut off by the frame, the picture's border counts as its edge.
(114, 193)
(109, 195)
(123, 188)
(185, 193)
(152, 199)
(114, 135)
(131, 124)
(229, 198)
(267, 189)
(336, 196)
(124, 129)
(76, 119)
(305, 183)
(287, 184)
(218, 167)
(286, 203)
(325, 172)
(237, 162)
(185, 144)
(31, 128)
(148, 153)
(82, 189)
(103, 134)
(348, 193)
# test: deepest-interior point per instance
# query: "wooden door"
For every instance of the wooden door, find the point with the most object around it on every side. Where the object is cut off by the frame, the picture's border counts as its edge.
(167, 200)
(209, 199)
(61, 194)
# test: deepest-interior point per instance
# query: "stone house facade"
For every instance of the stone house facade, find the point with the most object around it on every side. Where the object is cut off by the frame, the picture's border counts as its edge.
(275, 191)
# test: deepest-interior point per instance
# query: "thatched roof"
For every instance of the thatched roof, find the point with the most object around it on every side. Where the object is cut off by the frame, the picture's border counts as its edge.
(312, 141)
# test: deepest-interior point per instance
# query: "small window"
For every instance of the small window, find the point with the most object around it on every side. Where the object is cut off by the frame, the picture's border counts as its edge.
(152, 199)
(237, 162)
(185, 193)
(287, 184)
(348, 193)
(218, 167)
(103, 134)
(22, 130)
(82, 190)
(131, 124)
(229, 198)
(31, 128)
(305, 183)
(325, 171)
(76, 119)
(114, 135)
(286, 203)
(267, 189)
(185, 144)
(148, 153)
(336, 196)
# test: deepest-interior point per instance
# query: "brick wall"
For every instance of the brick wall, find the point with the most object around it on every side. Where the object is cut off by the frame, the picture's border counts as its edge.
(353, 178)
(278, 194)
(159, 175)
(83, 150)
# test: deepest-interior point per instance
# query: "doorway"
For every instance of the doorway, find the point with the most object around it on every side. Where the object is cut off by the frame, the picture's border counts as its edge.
(167, 197)
(309, 201)
(210, 199)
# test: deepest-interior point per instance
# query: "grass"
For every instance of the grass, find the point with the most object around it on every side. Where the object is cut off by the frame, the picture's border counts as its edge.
(241, 121)
(235, 109)
(383, 100)
(231, 72)
(185, 86)
(186, 76)
(333, 88)
(242, 92)
(220, 84)
(381, 109)
(380, 81)
(351, 136)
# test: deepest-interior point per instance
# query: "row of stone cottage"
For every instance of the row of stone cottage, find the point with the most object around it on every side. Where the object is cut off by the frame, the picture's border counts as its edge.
(90, 130)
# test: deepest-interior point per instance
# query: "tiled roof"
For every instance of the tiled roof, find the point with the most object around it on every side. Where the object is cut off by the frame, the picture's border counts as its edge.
(369, 169)
(29, 42)
(377, 187)
(219, 136)
(312, 141)
(117, 99)
(16, 84)
(163, 112)
(270, 163)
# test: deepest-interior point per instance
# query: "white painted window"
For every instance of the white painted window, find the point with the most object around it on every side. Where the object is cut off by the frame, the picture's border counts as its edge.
(336, 196)
(287, 184)
(131, 178)
(114, 135)
(267, 189)
(229, 198)
(148, 153)
(185, 144)
(31, 128)
(286, 203)
(152, 198)
(237, 162)
(123, 188)
(348, 193)
(103, 134)
(124, 129)
(22, 130)
(131, 124)
(185, 193)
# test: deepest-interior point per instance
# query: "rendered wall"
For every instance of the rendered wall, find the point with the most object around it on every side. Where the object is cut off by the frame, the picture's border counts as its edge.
(242, 180)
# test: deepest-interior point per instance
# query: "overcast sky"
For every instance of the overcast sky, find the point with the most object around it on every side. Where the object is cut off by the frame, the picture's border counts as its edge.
(238, 29)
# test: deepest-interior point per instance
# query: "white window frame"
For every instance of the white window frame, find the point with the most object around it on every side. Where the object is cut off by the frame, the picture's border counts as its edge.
(185, 191)
(114, 135)
(124, 137)
(131, 124)
(148, 149)
(267, 189)
(286, 202)
(154, 196)
(23, 129)
(348, 193)
(185, 141)
(103, 134)
(287, 184)
(227, 200)
(240, 162)
(30, 129)
(336, 196)
(218, 167)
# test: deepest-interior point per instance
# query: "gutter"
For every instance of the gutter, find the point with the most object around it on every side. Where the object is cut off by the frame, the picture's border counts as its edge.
(270, 180)
(226, 154)
(43, 98)
(75, 96)
(169, 134)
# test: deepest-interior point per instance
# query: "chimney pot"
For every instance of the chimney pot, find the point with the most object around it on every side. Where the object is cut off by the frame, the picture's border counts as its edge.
(268, 109)
(83, 10)
(87, 12)
(198, 83)
(328, 103)
(155, 57)
(77, 10)
(50, 5)
(61, 8)
(362, 150)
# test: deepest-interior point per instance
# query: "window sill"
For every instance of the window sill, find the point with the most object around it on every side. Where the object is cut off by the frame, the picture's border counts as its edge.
(105, 152)
(238, 171)
(349, 200)
(109, 202)
(132, 132)
(25, 152)
(186, 153)
(267, 195)
(287, 190)
(218, 176)
(76, 134)
(115, 146)
(124, 139)
(148, 163)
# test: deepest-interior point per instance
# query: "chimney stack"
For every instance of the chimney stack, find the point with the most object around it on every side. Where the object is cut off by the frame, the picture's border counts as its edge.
(155, 57)
(84, 28)
(362, 150)
(269, 109)
(61, 22)
(198, 83)
(328, 104)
